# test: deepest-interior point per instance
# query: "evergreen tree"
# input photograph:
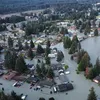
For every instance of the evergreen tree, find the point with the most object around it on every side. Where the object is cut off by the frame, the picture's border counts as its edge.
(30, 54)
(83, 26)
(44, 70)
(75, 39)
(10, 42)
(50, 73)
(66, 31)
(79, 46)
(62, 31)
(7, 59)
(10, 60)
(96, 32)
(48, 43)
(26, 46)
(92, 73)
(38, 70)
(51, 98)
(47, 51)
(13, 94)
(32, 44)
(60, 56)
(94, 24)
(14, 58)
(47, 60)
(73, 47)
(84, 62)
(66, 42)
(97, 65)
(40, 50)
(14, 25)
(41, 98)
(87, 29)
(80, 55)
(3, 96)
(92, 95)
(20, 65)
(20, 45)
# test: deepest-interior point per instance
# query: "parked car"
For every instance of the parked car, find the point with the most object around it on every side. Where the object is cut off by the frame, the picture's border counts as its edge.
(23, 97)
(55, 89)
(61, 70)
(61, 73)
(17, 84)
(67, 72)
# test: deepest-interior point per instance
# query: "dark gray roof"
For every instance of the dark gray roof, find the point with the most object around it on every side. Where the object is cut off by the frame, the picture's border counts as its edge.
(64, 87)
(56, 66)
(46, 83)
(97, 78)
(63, 78)
(32, 79)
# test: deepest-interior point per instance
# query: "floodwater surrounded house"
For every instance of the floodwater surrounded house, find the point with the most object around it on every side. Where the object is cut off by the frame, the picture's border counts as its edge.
(63, 79)
(64, 87)
(97, 79)
(10, 75)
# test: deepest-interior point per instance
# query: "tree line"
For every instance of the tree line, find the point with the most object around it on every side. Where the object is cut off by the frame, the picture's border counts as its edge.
(12, 19)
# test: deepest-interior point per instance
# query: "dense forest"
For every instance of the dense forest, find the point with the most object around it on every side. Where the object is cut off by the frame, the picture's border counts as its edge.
(9, 6)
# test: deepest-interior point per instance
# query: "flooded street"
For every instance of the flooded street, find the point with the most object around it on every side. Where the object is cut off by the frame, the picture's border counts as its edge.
(81, 85)
(92, 46)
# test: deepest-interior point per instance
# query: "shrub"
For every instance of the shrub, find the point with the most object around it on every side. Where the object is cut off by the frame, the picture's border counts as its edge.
(78, 72)
(66, 67)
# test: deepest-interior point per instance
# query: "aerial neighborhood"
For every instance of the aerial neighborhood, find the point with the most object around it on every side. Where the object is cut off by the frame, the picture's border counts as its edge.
(51, 53)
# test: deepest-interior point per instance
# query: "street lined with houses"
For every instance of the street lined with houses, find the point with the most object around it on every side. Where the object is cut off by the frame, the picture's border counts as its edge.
(80, 87)
(51, 54)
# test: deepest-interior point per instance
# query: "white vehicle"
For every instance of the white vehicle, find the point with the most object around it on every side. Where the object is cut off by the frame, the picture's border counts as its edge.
(61, 73)
(67, 72)
(61, 70)
(15, 84)
(55, 89)
(23, 97)
(63, 63)
(51, 55)
(38, 87)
